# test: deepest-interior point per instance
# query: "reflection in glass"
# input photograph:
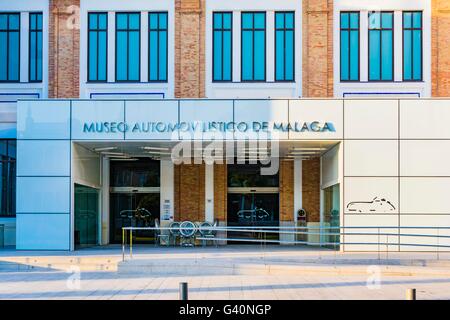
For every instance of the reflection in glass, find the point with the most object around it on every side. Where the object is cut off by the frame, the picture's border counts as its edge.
(331, 211)
(86, 216)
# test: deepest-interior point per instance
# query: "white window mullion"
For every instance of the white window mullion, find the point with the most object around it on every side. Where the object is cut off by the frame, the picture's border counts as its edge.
(270, 46)
(111, 46)
(398, 46)
(144, 46)
(237, 46)
(364, 45)
(24, 56)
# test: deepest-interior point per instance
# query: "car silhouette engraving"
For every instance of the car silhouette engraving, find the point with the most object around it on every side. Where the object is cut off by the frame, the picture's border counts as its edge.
(376, 205)
(251, 214)
(139, 213)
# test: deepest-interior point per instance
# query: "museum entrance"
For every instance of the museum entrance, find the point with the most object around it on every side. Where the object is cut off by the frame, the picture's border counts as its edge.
(134, 198)
(252, 202)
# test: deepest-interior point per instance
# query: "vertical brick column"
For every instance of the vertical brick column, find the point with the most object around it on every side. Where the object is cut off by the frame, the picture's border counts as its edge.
(190, 48)
(318, 48)
(64, 49)
(286, 190)
(220, 192)
(189, 192)
(440, 48)
(311, 189)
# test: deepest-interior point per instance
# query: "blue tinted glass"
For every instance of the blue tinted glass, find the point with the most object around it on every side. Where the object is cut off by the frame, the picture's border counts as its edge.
(386, 20)
(93, 55)
(247, 55)
(260, 20)
(417, 50)
(387, 55)
(3, 21)
(134, 21)
(39, 57)
(260, 55)
(417, 20)
(354, 55)
(121, 55)
(153, 55)
(247, 20)
(227, 55)
(344, 21)
(374, 20)
(354, 20)
(102, 55)
(133, 59)
(407, 19)
(39, 21)
(289, 59)
(163, 20)
(14, 21)
(279, 20)
(218, 20)
(93, 21)
(13, 63)
(153, 21)
(374, 55)
(32, 21)
(407, 54)
(162, 55)
(279, 55)
(102, 21)
(122, 21)
(344, 55)
(33, 42)
(217, 55)
(3, 55)
(289, 20)
(227, 20)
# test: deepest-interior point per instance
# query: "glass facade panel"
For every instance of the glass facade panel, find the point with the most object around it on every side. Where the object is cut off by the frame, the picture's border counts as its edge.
(253, 46)
(222, 46)
(157, 47)
(97, 52)
(412, 46)
(8, 181)
(284, 46)
(381, 46)
(128, 47)
(349, 42)
(10, 47)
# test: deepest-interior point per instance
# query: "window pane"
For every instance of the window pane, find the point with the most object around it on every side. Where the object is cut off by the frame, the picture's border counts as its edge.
(33, 46)
(218, 20)
(407, 55)
(134, 21)
(103, 56)
(386, 20)
(14, 22)
(102, 21)
(344, 55)
(289, 20)
(93, 21)
(260, 20)
(39, 57)
(417, 50)
(247, 55)
(227, 56)
(133, 59)
(279, 20)
(121, 56)
(374, 55)
(153, 55)
(162, 55)
(93, 55)
(153, 23)
(417, 20)
(247, 20)
(163, 20)
(407, 18)
(122, 21)
(279, 54)
(3, 55)
(354, 55)
(227, 21)
(387, 55)
(354, 20)
(13, 64)
(344, 20)
(374, 20)
(289, 59)
(260, 55)
(3, 21)
(218, 55)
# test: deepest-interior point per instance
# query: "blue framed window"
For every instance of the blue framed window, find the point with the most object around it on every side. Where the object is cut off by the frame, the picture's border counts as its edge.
(128, 47)
(412, 46)
(157, 50)
(253, 46)
(222, 46)
(8, 179)
(9, 47)
(35, 47)
(381, 46)
(97, 46)
(349, 46)
(284, 46)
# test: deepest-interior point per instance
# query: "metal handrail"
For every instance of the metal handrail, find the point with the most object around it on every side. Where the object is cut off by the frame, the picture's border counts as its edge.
(293, 230)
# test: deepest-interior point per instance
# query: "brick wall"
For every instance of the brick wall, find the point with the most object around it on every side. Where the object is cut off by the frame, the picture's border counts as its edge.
(286, 191)
(440, 52)
(317, 48)
(64, 49)
(189, 192)
(189, 48)
(220, 192)
(311, 188)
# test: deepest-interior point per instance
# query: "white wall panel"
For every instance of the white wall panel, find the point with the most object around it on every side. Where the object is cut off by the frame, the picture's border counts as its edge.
(85, 167)
(371, 119)
(43, 231)
(43, 119)
(330, 167)
(424, 119)
(425, 195)
(358, 191)
(429, 243)
(43, 195)
(43, 158)
(425, 158)
(371, 157)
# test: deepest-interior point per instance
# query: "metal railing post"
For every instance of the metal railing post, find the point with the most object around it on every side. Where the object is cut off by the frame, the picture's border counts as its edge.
(183, 294)
(379, 244)
(131, 243)
(411, 294)
(123, 244)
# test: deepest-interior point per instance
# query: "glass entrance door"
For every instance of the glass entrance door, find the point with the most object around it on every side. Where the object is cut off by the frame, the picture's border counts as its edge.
(86, 216)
